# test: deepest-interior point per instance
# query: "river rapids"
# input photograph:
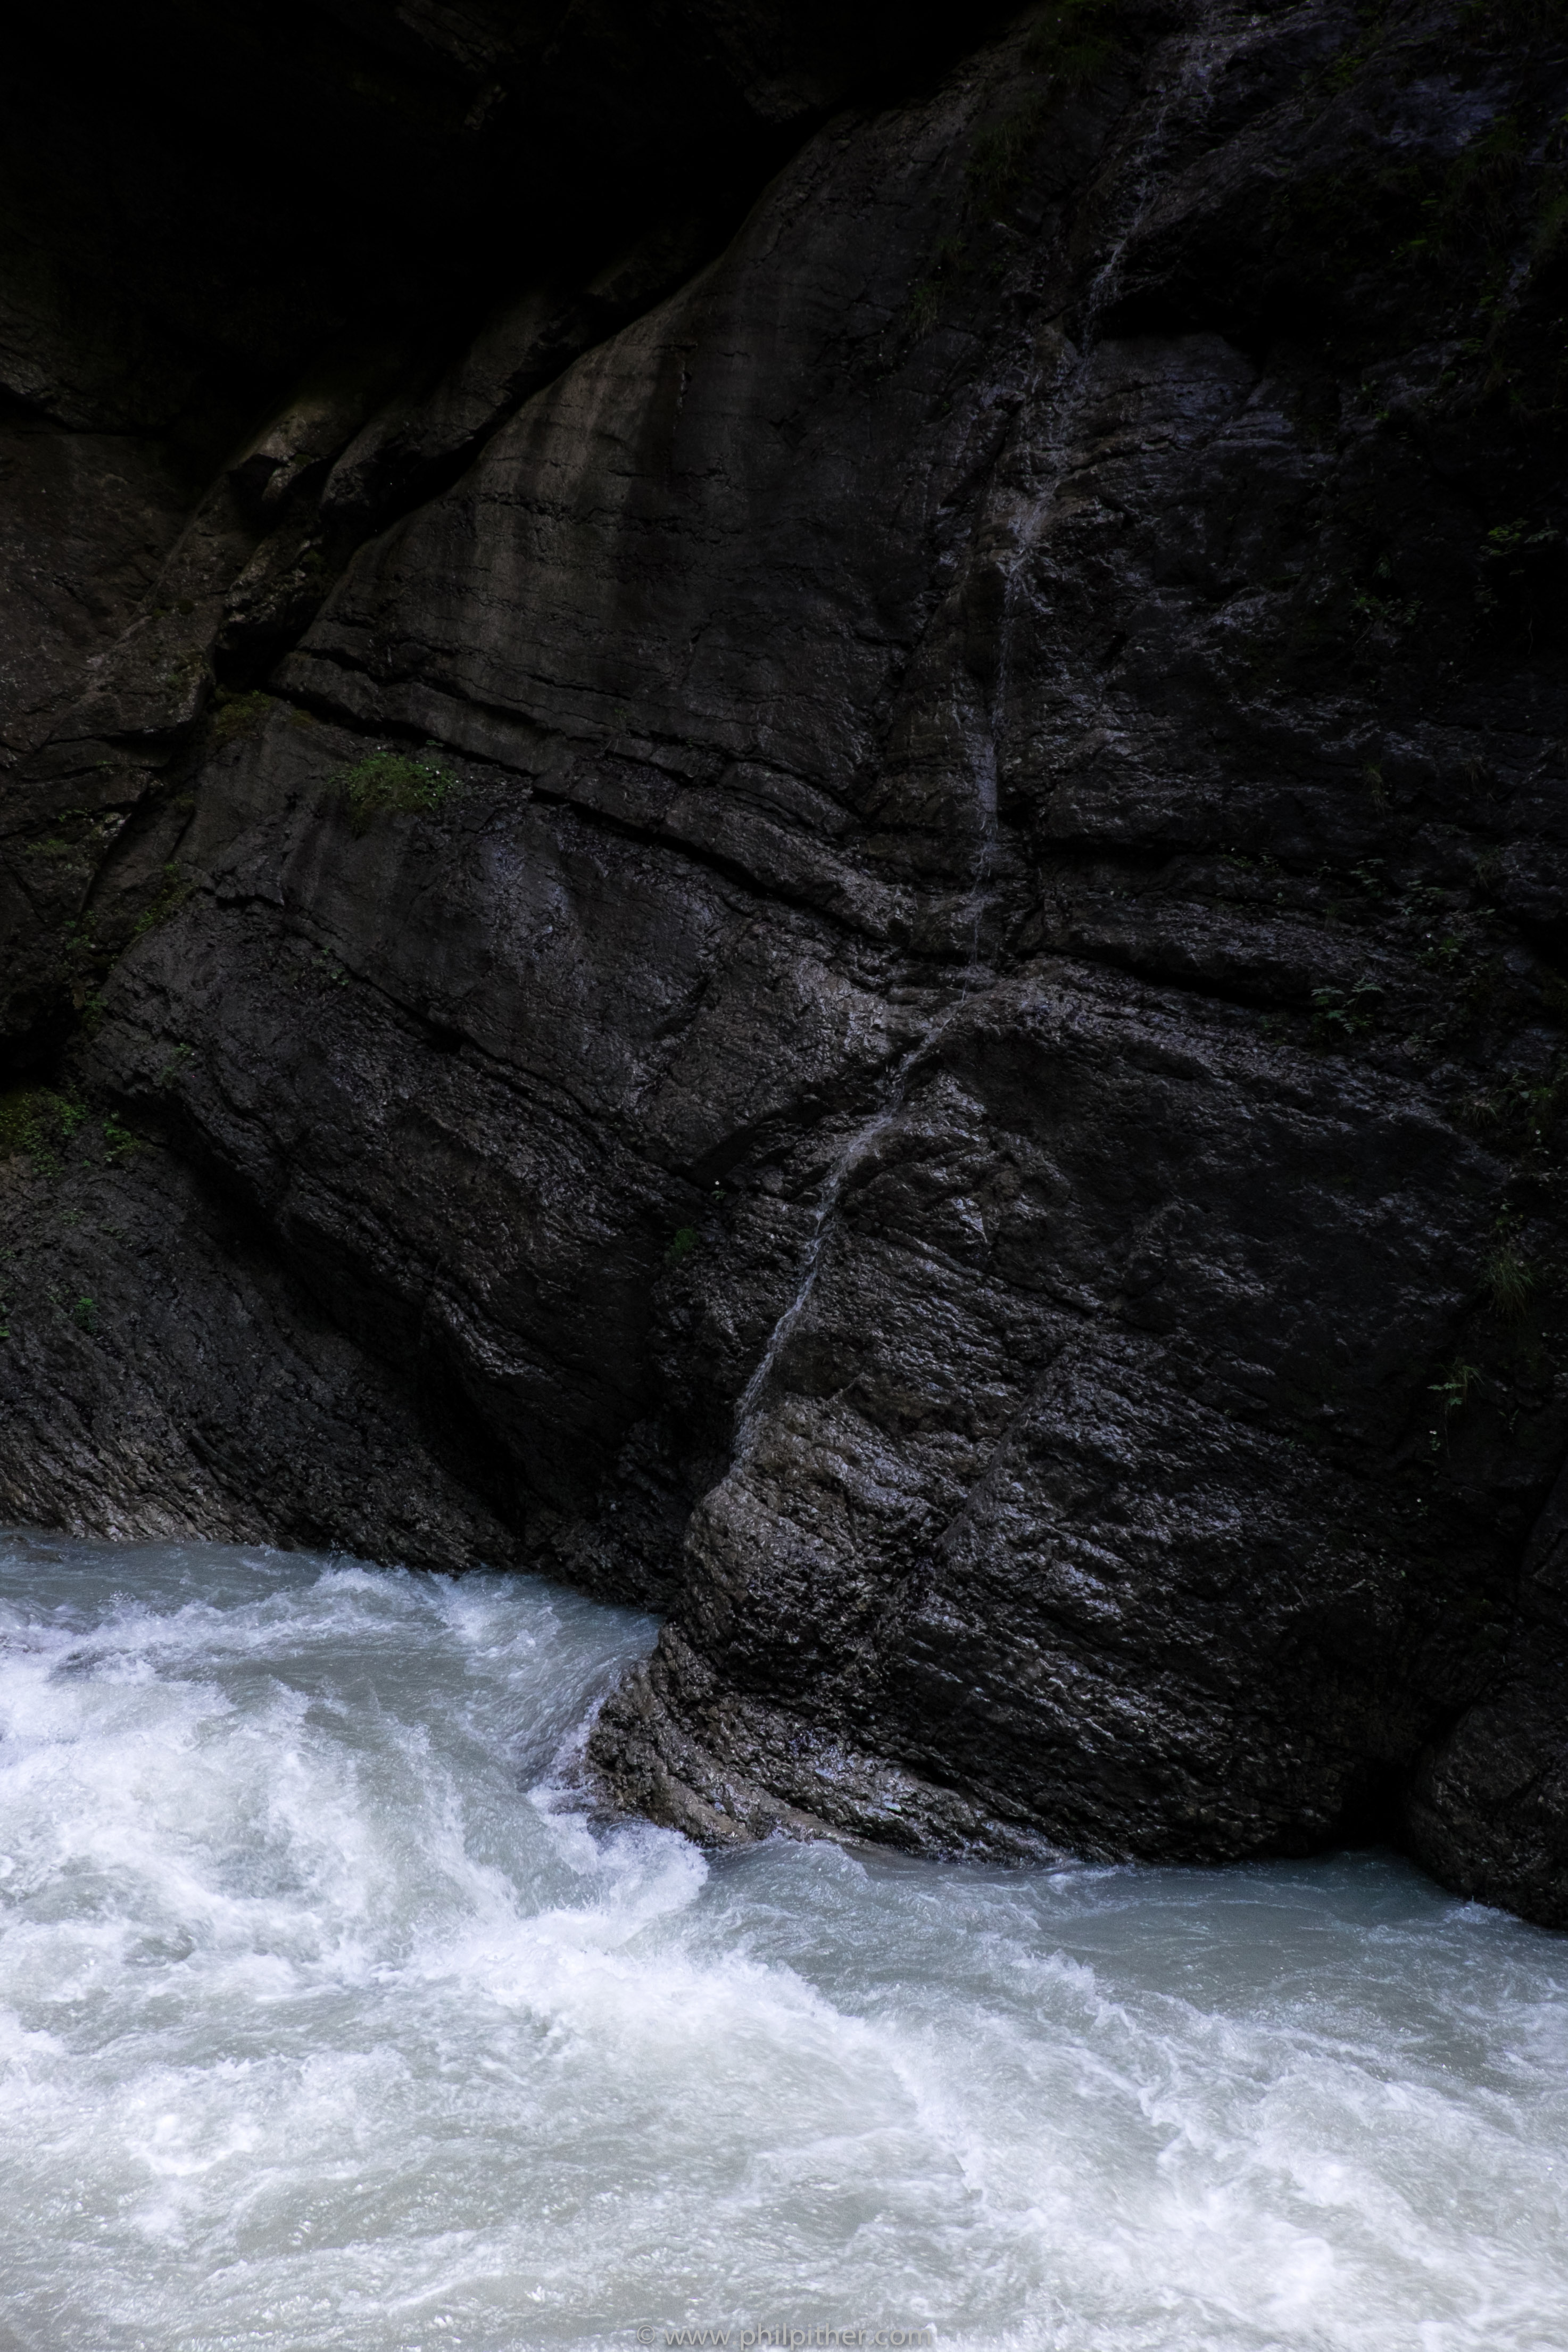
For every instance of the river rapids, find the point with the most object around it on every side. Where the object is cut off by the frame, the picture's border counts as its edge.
(330, 2021)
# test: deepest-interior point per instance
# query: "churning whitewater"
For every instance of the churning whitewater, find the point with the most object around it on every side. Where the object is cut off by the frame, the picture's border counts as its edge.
(327, 2019)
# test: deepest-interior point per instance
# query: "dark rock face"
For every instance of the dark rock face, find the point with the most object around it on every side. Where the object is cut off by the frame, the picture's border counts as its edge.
(867, 935)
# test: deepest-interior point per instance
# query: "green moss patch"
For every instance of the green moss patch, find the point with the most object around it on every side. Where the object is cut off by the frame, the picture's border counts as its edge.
(38, 1122)
(391, 783)
(235, 715)
(173, 889)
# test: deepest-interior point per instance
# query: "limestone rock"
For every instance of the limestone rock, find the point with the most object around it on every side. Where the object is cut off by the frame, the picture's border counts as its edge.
(850, 921)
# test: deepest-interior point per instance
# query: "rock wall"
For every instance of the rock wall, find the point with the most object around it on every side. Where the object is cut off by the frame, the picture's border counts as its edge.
(850, 919)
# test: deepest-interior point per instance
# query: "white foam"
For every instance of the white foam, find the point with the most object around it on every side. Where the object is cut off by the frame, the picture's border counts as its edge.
(327, 2021)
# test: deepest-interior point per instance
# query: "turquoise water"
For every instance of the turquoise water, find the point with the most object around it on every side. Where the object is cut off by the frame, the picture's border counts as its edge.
(327, 2019)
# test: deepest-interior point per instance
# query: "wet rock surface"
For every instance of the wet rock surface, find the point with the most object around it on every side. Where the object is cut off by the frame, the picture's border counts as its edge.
(847, 915)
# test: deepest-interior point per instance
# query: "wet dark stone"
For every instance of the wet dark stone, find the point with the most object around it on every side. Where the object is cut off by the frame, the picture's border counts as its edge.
(938, 1045)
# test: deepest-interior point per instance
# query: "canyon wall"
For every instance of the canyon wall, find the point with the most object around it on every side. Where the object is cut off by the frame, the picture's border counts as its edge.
(786, 829)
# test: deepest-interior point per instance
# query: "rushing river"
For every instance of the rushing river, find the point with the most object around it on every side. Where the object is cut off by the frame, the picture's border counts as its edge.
(327, 2019)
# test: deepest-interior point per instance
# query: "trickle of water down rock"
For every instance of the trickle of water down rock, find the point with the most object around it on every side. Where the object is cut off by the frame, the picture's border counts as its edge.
(785, 829)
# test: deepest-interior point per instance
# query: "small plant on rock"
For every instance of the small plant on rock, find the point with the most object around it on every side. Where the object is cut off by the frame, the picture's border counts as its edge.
(388, 784)
(36, 1121)
(925, 307)
(173, 889)
(234, 715)
(1341, 1013)
(1522, 1111)
(1452, 1393)
(998, 163)
(1508, 1278)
